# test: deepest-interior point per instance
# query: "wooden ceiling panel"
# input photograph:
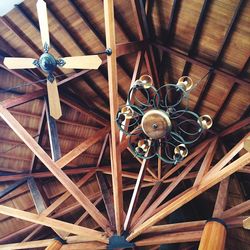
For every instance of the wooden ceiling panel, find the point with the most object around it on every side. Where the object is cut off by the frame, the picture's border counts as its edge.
(160, 17)
(214, 29)
(185, 24)
(238, 104)
(238, 49)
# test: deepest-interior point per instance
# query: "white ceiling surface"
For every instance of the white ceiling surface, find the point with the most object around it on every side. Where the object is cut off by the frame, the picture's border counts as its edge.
(7, 5)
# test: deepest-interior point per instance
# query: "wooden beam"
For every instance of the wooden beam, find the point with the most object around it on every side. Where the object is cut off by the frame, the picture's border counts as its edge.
(12, 187)
(85, 246)
(170, 238)
(54, 245)
(53, 135)
(235, 222)
(220, 54)
(27, 245)
(236, 210)
(221, 200)
(136, 74)
(190, 194)
(196, 36)
(227, 157)
(198, 62)
(169, 189)
(59, 225)
(113, 90)
(236, 126)
(40, 132)
(104, 188)
(54, 168)
(144, 34)
(204, 168)
(36, 196)
(213, 236)
(145, 203)
(67, 158)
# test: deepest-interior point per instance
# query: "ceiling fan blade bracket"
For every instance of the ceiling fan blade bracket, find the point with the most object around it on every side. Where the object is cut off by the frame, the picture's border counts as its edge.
(46, 47)
(60, 62)
(51, 78)
(36, 63)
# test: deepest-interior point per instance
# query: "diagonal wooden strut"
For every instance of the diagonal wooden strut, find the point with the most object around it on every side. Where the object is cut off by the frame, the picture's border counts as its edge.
(191, 193)
(53, 167)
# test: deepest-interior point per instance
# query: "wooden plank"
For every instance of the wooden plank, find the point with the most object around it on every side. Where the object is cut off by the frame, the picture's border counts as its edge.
(53, 134)
(196, 36)
(85, 246)
(233, 128)
(170, 238)
(12, 187)
(144, 34)
(213, 236)
(146, 203)
(190, 194)
(113, 90)
(53, 167)
(70, 156)
(236, 210)
(221, 199)
(197, 150)
(169, 189)
(220, 54)
(40, 132)
(27, 245)
(59, 225)
(198, 62)
(36, 196)
(136, 75)
(227, 158)
(54, 245)
(204, 168)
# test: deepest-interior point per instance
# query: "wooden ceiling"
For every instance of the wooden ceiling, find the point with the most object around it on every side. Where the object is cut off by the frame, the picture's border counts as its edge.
(173, 38)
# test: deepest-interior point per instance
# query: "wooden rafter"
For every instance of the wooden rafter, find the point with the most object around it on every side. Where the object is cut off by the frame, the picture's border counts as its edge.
(53, 167)
(189, 194)
(113, 90)
(59, 225)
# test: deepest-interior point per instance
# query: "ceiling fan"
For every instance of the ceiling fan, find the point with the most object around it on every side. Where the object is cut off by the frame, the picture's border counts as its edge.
(48, 63)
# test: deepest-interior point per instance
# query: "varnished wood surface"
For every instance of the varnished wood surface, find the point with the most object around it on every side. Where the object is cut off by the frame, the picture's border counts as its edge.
(213, 236)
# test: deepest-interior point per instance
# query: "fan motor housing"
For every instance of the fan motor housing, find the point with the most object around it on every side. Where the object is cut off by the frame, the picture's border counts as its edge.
(47, 62)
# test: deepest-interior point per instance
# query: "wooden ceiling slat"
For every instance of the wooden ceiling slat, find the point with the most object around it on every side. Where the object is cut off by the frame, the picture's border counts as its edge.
(88, 80)
(197, 34)
(83, 14)
(231, 91)
(220, 54)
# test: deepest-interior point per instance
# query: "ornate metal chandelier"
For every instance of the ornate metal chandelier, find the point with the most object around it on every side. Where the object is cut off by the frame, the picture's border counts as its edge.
(158, 121)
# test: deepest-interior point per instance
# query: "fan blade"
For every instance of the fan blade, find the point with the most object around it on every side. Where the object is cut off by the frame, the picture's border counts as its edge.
(82, 62)
(43, 23)
(19, 63)
(54, 100)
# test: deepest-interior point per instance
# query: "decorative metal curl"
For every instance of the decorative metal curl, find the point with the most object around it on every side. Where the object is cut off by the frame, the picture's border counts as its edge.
(186, 126)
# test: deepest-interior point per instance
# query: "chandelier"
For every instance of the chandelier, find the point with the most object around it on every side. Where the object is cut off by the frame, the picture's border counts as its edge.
(158, 121)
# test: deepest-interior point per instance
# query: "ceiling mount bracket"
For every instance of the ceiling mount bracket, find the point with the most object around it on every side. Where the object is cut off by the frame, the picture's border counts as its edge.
(117, 241)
